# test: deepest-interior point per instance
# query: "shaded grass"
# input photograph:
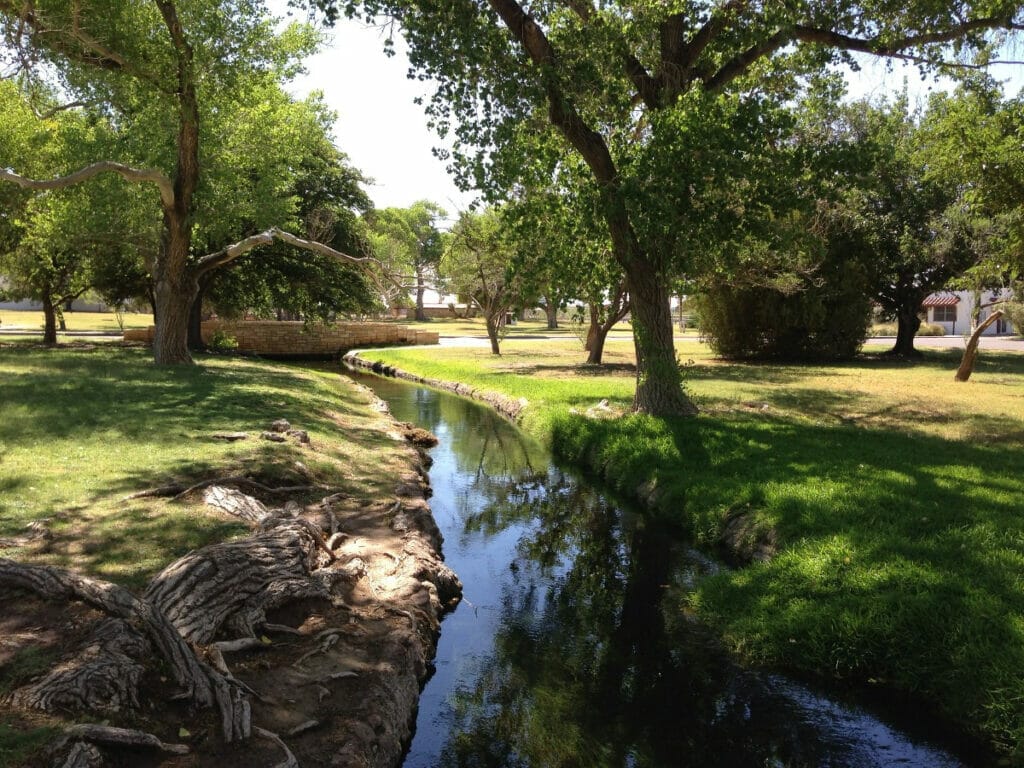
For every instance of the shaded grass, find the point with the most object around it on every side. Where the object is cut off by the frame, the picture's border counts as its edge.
(82, 428)
(895, 494)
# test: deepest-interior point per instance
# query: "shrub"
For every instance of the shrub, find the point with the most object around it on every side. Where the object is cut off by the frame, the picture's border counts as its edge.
(1014, 312)
(825, 318)
(221, 341)
(889, 329)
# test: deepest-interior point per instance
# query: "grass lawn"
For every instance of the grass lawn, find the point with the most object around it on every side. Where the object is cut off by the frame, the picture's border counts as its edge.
(76, 321)
(83, 427)
(895, 495)
(523, 329)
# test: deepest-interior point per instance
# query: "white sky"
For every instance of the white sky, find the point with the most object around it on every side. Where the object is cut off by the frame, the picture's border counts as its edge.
(385, 133)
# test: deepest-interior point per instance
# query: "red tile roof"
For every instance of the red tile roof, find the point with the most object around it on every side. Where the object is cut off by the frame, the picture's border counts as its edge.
(941, 300)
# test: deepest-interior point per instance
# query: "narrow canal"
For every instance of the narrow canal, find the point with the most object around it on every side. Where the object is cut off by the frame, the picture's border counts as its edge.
(571, 647)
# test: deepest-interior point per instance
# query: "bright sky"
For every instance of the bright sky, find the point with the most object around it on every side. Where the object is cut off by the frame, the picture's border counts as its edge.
(385, 133)
(379, 127)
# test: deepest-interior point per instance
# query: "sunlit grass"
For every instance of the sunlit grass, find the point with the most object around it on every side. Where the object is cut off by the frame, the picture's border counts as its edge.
(895, 494)
(32, 320)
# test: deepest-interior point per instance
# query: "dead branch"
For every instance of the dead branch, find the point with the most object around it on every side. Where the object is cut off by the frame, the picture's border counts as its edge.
(128, 173)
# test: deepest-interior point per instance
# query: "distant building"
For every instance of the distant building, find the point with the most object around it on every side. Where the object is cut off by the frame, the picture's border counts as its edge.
(952, 310)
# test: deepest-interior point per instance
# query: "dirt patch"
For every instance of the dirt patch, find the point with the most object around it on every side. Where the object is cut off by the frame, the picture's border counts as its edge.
(321, 626)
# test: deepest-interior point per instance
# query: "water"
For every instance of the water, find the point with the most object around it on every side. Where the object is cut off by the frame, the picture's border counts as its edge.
(571, 647)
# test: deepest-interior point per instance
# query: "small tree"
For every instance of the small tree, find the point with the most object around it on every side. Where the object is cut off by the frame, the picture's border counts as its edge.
(411, 240)
(477, 265)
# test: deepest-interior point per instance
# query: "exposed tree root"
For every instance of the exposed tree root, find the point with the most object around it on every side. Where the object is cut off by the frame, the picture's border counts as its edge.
(122, 737)
(57, 584)
(289, 758)
(233, 583)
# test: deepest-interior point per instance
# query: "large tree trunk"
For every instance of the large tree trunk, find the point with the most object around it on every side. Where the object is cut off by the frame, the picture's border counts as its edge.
(963, 373)
(551, 310)
(907, 323)
(659, 383)
(175, 288)
(49, 321)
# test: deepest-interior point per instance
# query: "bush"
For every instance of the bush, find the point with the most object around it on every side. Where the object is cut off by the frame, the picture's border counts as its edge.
(890, 329)
(1014, 312)
(221, 341)
(826, 318)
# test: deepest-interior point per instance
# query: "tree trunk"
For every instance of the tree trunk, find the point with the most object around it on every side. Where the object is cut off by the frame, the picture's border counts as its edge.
(907, 323)
(494, 324)
(421, 316)
(175, 288)
(551, 310)
(49, 321)
(596, 335)
(195, 315)
(659, 383)
(963, 373)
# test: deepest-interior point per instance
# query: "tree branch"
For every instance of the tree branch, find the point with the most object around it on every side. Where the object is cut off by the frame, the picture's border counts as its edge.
(224, 256)
(106, 166)
(876, 46)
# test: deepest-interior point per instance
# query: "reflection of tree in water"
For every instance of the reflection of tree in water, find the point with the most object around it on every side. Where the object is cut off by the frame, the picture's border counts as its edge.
(588, 668)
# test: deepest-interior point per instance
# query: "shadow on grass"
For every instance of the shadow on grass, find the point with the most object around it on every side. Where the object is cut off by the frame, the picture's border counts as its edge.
(902, 552)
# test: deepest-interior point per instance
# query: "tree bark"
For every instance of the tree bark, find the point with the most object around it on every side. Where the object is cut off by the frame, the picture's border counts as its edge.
(49, 322)
(421, 316)
(195, 315)
(551, 310)
(907, 323)
(963, 373)
(659, 383)
(494, 324)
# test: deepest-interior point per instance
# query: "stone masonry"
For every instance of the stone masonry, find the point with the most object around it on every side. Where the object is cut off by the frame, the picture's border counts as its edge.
(270, 337)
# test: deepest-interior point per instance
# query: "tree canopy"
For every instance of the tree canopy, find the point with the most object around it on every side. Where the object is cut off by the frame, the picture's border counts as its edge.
(673, 107)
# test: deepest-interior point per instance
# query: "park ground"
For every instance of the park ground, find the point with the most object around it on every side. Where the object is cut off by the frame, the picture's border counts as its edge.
(85, 426)
(872, 508)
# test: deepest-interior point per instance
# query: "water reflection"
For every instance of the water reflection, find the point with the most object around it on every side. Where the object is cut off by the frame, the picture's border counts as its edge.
(570, 648)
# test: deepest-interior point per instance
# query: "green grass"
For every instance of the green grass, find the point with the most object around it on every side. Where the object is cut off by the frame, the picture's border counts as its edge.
(31, 320)
(896, 496)
(81, 428)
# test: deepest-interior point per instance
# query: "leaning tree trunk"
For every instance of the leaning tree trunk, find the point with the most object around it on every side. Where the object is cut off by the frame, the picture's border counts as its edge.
(494, 324)
(49, 321)
(907, 323)
(659, 383)
(963, 373)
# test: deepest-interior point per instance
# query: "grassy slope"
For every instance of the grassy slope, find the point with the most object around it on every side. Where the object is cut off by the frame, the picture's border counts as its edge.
(896, 495)
(82, 428)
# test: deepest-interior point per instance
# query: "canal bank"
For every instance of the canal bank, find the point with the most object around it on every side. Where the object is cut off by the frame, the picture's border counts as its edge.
(570, 649)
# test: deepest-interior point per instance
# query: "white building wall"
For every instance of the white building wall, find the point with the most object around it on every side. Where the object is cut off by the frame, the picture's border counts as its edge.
(964, 308)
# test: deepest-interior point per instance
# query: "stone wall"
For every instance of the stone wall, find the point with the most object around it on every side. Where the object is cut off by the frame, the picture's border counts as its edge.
(270, 337)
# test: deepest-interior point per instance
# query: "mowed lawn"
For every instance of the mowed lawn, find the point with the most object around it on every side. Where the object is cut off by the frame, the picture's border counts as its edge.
(28, 320)
(895, 495)
(83, 427)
